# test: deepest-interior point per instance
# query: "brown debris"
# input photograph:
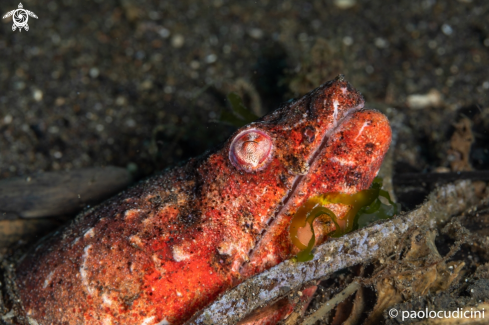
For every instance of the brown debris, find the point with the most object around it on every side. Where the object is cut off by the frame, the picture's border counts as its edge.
(59, 193)
(12, 231)
(420, 271)
(460, 144)
(248, 92)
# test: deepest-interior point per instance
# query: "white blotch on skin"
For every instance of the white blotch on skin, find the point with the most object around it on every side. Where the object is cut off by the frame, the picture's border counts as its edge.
(75, 241)
(226, 248)
(335, 113)
(345, 188)
(107, 301)
(164, 322)
(342, 161)
(157, 263)
(155, 259)
(147, 320)
(343, 90)
(135, 240)
(271, 257)
(148, 221)
(83, 269)
(48, 280)
(179, 255)
(130, 214)
(179, 293)
(90, 233)
(107, 321)
(365, 124)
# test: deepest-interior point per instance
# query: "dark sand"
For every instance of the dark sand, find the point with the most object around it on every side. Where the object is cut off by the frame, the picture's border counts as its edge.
(138, 83)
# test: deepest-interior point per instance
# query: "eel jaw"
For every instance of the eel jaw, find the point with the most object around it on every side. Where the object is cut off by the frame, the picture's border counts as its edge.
(275, 218)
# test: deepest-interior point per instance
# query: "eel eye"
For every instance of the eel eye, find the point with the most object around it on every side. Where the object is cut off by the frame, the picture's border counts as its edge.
(251, 150)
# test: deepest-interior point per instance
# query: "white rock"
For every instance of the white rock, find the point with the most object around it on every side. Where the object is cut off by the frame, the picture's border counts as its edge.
(420, 101)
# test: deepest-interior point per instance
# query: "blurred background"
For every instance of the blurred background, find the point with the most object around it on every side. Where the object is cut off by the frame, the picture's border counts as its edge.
(140, 84)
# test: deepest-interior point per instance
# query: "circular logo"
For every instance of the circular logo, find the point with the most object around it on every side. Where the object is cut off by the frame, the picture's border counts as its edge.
(393, 313)
(20, 17)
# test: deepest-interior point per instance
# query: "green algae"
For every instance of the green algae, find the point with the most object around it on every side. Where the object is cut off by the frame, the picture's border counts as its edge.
(365, 207)
(238, 115)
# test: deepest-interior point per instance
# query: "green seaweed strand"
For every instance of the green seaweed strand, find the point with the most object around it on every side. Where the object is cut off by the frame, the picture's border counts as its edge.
(365, 208)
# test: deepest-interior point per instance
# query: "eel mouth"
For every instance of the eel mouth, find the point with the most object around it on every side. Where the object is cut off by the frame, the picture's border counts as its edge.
(299, 179)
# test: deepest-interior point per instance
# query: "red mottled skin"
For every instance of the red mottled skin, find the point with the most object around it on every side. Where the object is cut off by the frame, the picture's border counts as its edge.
(169, 246)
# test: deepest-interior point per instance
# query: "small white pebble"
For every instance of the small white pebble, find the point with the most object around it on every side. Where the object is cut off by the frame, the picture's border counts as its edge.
(419, 101)
(194, 64)
(7, 119)
(256, 33)
(177, 41)
(53, 129)
(381, 43)
(154, 15)
(94, 72)
(147, 84)
(211, 58)
(59, 101)
(57, 154)
(447, 29)
(345, 4)
(165, 33)
(19, 85)
(37, 94)
(120, 100)
(347, 40)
